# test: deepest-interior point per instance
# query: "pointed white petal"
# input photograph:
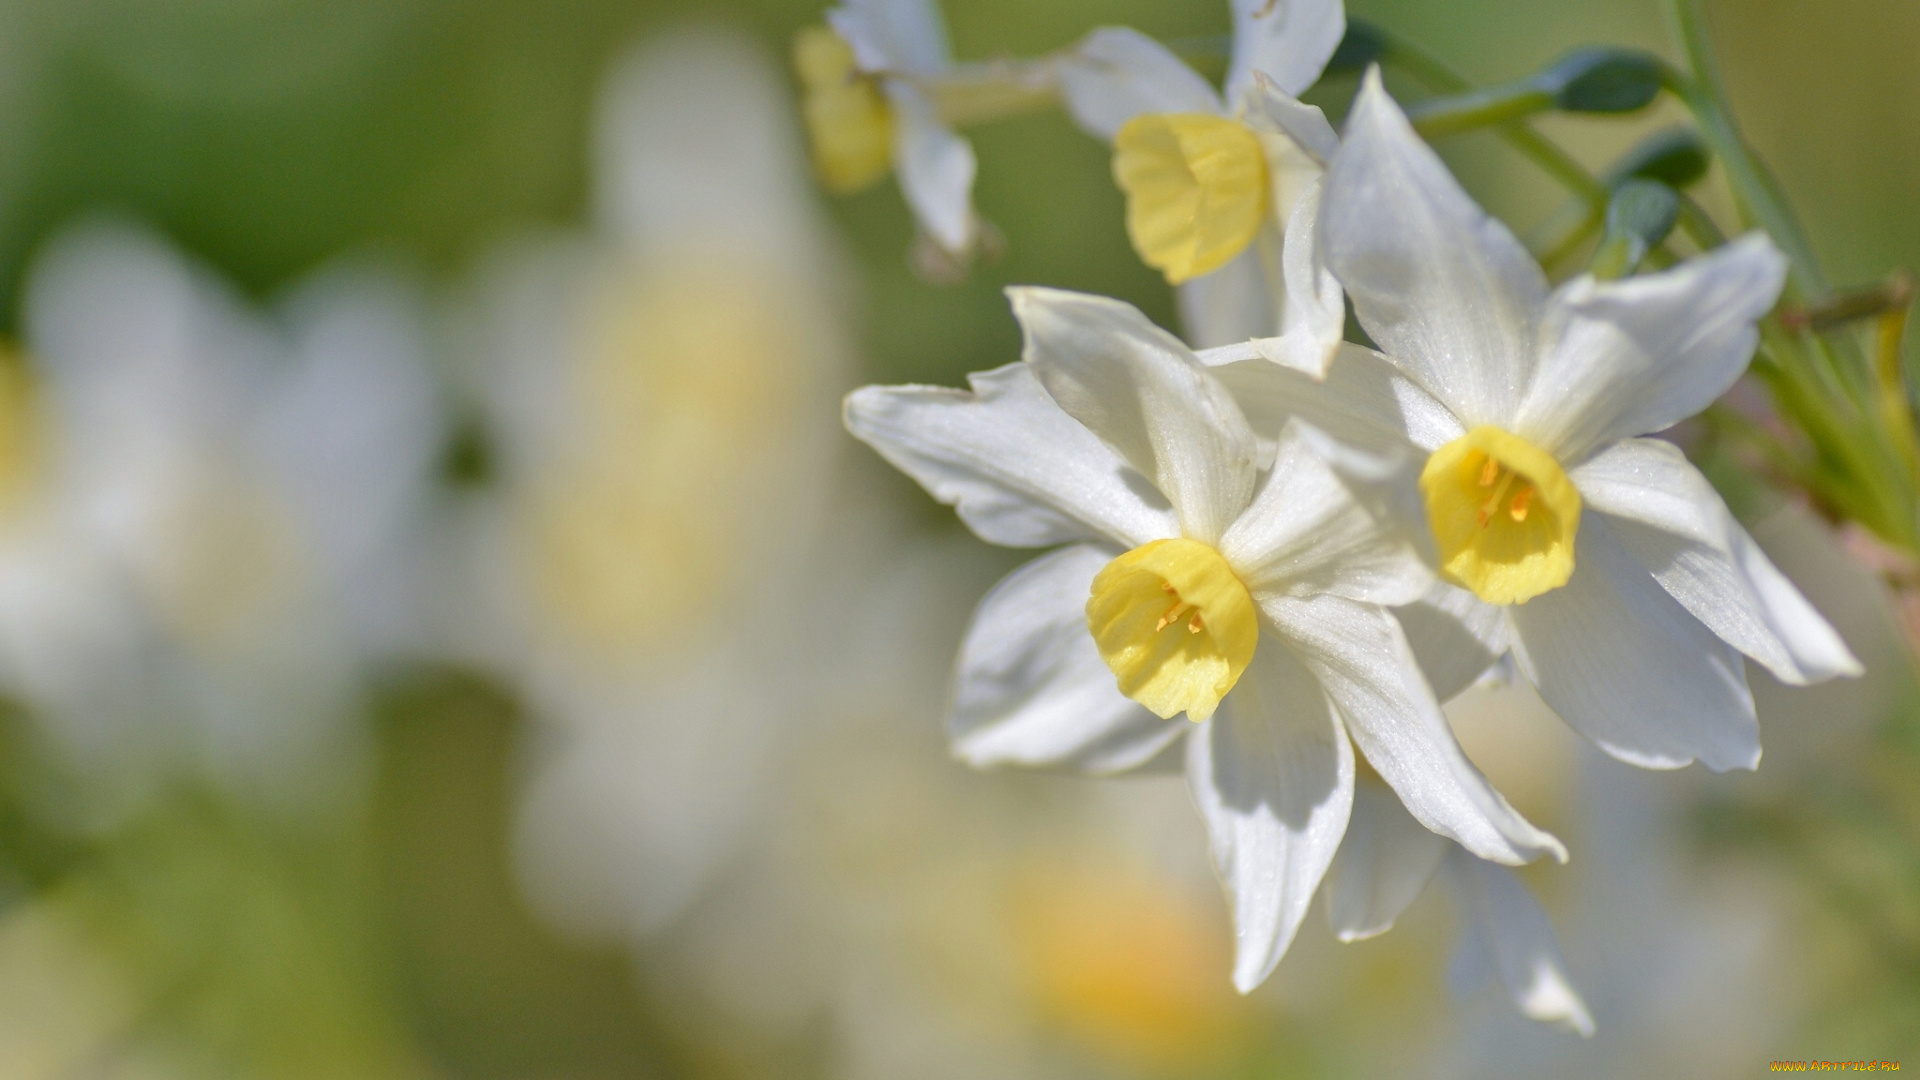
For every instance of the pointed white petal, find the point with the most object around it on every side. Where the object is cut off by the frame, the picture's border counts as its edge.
(1386, 482)
(1445, 290)
(1307, 533)
(1289, 41)
(1233, 304)
(1624, 358)
(1455, 636)
(1020, 472)
(1509, 922)
(1364, 401)
(1313, 311)
(1116, 74)
(1272, 774)
(1625, 665)
(1147, 396)
(936, 168)
(1031, 688)
(893, 36)
(1360, 656)
(1384, 862)
(1272, 109)
(1678, 527)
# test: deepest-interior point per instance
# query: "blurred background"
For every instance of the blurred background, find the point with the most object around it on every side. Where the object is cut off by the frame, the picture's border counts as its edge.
(444, 631)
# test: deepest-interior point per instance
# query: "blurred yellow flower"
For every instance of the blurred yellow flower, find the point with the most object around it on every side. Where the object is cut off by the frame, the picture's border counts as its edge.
(1128, 966)
(687, 390)
(849, 122)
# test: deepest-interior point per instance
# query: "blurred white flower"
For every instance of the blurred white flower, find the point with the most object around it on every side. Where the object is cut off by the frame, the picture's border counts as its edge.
(221, 504)
(1528, 406)
(1189, 542)
(874, 84)
(659, 398)
(1223, 194)
(923, 920)
(1387, 859)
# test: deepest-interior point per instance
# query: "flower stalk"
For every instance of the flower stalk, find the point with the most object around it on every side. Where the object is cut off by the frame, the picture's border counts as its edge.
(1854, 410)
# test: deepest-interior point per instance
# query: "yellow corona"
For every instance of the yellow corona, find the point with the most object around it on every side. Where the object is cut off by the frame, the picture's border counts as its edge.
(1503, 513)
(1175, 624)
(849, 123)
(1197, 190)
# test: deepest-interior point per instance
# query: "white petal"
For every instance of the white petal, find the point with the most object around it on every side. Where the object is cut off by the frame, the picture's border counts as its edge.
(1313, 311)
(1509, 922)
(1020, 472)
(1678, 527)
(1231, 305)
(354, 427)
(1445, 290)
(1383, 864)
(1307, 532)
(1624, 358)
(1455, 636)
(1272, 109)
(1289, 41)
(1116, 74)
(1272, 775)
(1625, 665)
(936, 170)
(1361, 657)
(1147, 396)
(1031, 688)
(694, 144)
(893, 36)
(1364, 401)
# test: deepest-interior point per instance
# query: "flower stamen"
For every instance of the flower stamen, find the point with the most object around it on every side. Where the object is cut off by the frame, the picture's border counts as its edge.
(1506, 479)
(1518, 510)
(1173, 613)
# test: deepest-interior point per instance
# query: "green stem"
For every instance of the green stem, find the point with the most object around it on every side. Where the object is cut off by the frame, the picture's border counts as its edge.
(1699, 225)
(1758, 196)
(1496, 106)
(1434, 74)
(1562, 236)
(971, 94)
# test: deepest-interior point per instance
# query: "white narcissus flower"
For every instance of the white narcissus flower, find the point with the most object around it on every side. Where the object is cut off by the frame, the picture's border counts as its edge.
(1223, 194)
(241, 493)
(659, 397)
(1604, 560)
(870, 107)
(1202, 570)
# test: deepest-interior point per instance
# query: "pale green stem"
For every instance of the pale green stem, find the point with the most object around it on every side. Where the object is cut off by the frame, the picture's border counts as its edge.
(1440, 79)
(1754, 190)
(1896, 409)
(993, 90)
(1492, 107)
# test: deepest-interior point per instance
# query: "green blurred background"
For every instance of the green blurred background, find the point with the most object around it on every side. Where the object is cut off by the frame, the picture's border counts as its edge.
(267, 136)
